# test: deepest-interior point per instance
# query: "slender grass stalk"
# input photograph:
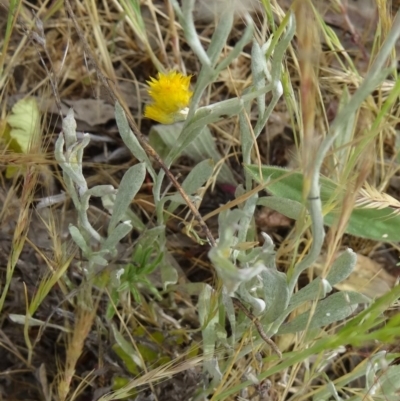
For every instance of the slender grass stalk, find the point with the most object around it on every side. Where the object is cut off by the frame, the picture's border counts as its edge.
(376, 75)
(12, 16)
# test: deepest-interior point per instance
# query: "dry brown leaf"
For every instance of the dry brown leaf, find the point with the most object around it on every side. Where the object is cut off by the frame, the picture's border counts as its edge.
(268, 218)
(92, 111)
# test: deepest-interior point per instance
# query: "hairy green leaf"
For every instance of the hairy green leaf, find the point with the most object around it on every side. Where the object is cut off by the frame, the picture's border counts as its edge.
(332, 309)
(128, 188)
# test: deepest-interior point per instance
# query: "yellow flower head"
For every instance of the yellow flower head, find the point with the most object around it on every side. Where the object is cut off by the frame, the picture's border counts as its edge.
(171, 96)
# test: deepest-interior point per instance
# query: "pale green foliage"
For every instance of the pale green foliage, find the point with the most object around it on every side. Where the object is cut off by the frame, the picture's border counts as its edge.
(163, 138)
(248, 275)
(134, 277)
(69, 155)
(252, 275)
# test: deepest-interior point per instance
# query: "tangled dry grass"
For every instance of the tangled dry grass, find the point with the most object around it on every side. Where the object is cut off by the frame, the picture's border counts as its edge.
(56, 341)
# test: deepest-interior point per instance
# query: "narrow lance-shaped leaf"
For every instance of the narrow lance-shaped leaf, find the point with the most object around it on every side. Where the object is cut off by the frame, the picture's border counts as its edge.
(129, 186)
(130, 139)
(79, 239)
(208, 320)
(339, 271)
(164, 137)
(332, 309)
(276, 293)
(196, 178)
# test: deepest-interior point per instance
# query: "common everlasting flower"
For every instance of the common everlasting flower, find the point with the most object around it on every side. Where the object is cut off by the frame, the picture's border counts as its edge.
(170, 96)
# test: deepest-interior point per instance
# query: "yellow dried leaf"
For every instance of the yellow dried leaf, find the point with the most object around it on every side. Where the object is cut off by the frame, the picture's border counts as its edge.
(24, 122)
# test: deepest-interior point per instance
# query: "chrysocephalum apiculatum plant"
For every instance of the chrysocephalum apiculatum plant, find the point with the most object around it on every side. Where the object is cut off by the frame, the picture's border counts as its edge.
(251, 276)
(248, 277)
(95, 248)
